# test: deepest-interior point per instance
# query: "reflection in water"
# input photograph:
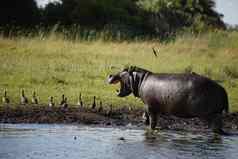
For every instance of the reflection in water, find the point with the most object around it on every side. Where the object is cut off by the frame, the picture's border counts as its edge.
(72, 142)
(187, 145)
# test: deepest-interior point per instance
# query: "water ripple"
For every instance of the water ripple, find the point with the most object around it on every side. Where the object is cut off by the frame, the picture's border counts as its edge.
(60, 141)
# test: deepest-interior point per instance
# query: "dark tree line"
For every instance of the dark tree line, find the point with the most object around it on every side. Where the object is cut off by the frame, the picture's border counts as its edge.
(19, 13)
(131, 17)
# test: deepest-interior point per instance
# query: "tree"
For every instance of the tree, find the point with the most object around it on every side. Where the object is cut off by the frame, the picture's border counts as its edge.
(168, 16)
(53, 13)
(97, 13)
(19, 13)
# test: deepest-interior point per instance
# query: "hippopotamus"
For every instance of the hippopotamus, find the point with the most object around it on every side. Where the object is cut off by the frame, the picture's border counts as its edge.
(185, 95)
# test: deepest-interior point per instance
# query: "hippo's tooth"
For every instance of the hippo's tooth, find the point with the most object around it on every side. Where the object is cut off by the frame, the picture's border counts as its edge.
(112, 81)
(109, 80)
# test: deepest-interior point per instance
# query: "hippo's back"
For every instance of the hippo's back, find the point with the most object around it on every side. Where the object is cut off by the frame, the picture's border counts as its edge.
(183, 94)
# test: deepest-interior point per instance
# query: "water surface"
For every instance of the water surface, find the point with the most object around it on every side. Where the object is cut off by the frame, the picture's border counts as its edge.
(34, 141)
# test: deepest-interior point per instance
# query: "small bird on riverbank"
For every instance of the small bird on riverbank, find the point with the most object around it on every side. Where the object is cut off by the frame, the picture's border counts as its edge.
(34, 99)
(5, 98)
(100, 109)
(94, 102)
(80, 101)
(24, 99)
(51, 102)
(63, 102)
(130, 109)
(109, 112)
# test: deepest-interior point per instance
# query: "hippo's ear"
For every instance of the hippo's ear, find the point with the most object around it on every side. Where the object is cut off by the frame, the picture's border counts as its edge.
(131, 69)
(126, 68)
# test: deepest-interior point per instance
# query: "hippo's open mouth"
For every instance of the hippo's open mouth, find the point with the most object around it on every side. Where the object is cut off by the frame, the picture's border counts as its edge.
(116, 80)
(113, 79)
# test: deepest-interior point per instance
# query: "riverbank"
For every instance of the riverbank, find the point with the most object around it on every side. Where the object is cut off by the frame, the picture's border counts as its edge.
(106, 117)
(72, 114)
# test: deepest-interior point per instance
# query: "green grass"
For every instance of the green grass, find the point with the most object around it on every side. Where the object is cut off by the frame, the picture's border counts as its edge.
(52, 65)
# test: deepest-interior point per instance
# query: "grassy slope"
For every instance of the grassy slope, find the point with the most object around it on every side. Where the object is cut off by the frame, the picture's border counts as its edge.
(53, 66)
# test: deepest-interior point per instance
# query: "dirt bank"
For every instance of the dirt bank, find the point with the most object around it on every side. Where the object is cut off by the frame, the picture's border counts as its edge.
(113, 117)
(72, 114)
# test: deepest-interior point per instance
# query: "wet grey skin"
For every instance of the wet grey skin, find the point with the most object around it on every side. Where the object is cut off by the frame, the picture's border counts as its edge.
(184, 95)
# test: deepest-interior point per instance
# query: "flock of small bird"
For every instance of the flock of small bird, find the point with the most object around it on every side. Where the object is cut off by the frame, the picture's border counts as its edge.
(63, 103)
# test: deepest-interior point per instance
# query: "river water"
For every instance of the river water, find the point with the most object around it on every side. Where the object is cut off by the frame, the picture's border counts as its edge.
(37, 141)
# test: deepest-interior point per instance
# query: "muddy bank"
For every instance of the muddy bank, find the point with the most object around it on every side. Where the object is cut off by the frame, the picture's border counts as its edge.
(110, 117)
(73, 114)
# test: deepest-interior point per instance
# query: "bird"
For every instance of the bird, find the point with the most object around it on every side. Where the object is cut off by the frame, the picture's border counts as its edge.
(5, 98)
(24, 99)
(80, 102)
(34, 99)
(130, 108)
(65, 104)
(155, 52)
(109, 112)
(100, 109)
(51, 102)
(62, 100)
(94, 102)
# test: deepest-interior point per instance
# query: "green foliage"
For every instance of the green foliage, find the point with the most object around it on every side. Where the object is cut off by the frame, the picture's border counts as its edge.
(125, 18)
(15, 12)
(172, 15)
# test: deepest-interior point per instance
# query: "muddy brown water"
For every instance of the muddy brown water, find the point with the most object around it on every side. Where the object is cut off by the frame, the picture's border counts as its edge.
(56, 141)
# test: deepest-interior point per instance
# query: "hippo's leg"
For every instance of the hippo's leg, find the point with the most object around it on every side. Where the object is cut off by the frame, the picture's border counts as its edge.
(217, 124)
(146, 118)
(209, 120)
(153, 120)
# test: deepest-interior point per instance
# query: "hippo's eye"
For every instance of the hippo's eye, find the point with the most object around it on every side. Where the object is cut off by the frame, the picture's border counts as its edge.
(124, 74)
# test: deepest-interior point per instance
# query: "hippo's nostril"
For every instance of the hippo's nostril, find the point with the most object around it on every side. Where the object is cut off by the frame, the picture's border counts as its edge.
(110, 76)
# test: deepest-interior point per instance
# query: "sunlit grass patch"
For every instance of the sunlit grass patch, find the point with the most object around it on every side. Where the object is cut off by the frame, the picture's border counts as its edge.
(52, 65)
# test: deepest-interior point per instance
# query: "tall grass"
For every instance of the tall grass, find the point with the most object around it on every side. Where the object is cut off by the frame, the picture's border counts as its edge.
(77, 33)
(52, 65)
